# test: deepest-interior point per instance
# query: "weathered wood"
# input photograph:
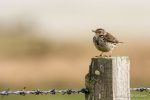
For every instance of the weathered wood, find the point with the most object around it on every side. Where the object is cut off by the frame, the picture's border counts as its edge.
(108, 79)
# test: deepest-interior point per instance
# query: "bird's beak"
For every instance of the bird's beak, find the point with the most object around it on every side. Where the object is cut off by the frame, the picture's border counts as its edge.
(93, 31)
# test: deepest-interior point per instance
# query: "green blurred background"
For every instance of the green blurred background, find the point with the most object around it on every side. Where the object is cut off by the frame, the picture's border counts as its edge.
(48, 43)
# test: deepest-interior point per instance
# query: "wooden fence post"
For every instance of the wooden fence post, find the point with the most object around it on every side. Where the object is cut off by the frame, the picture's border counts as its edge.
(108, 79)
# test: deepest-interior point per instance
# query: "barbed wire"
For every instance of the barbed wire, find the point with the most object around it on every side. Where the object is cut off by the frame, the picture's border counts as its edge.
(24, 92)
(140, 89)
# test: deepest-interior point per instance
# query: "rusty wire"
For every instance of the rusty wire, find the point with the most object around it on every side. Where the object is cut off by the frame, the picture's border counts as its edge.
(140, 89)
(24, 92)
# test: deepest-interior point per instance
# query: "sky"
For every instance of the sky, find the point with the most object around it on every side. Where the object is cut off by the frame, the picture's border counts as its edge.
(76, 18)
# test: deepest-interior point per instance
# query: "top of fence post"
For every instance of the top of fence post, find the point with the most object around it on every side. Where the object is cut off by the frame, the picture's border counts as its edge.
(108, 79)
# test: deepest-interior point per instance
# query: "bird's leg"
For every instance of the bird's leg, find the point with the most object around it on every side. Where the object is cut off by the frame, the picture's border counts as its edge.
(106, 55)
(101, 54)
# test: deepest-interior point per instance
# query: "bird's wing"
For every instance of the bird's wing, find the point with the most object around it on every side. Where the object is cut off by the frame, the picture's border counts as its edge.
(110, 38)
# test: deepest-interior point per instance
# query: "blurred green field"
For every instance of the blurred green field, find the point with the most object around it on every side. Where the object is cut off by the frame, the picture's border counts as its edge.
(44, 97)
(140, 95)
(135, 96)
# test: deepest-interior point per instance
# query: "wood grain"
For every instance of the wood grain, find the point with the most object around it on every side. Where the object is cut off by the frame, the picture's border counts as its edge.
(108, 79)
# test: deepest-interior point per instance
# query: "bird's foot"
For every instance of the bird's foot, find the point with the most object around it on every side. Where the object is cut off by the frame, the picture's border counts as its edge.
(102, 55)
(99, 55)
(105, 56)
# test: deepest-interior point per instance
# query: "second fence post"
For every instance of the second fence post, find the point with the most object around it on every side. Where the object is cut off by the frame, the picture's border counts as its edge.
(108, 79)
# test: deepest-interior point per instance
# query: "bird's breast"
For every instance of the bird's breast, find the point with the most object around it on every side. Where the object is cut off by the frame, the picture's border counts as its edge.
(102, 45)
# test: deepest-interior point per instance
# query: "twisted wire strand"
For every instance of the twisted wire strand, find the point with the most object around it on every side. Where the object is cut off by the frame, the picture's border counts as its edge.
(140, 89)
(24, 92)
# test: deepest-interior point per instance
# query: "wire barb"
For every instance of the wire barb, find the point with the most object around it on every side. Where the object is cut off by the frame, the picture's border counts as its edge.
(140, 89)
(24, 92)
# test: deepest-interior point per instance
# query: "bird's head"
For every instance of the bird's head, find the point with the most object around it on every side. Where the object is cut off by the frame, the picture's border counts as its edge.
(99, 32)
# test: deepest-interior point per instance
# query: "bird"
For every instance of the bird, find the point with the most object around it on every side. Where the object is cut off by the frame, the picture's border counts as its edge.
(104, 41)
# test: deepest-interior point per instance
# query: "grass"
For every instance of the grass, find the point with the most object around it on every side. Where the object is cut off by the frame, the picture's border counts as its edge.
(44, 97)
(140, 95)
(135, 96)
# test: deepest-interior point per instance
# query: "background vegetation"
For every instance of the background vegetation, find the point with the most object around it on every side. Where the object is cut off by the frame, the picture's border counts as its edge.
(48, 43)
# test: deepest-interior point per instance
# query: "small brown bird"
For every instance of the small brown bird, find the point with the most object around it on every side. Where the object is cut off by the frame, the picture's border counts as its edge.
(104, 41)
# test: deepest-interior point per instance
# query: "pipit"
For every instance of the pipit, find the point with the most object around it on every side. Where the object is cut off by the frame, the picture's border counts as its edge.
(104, 41)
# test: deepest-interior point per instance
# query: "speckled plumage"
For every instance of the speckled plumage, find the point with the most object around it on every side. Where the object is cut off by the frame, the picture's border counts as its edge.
(104, 41)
